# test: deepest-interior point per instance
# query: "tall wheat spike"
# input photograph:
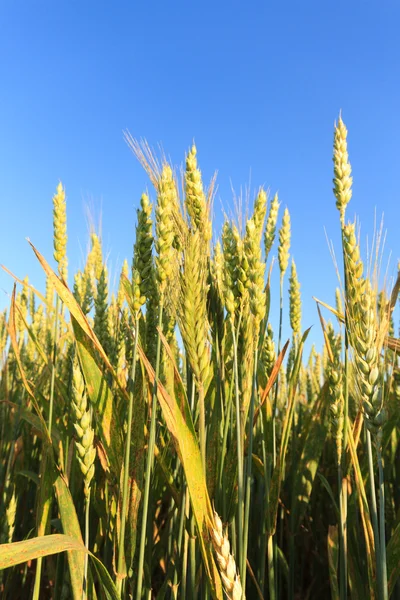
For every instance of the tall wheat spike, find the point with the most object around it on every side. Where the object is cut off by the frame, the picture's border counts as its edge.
(342, 169)
(60, 230)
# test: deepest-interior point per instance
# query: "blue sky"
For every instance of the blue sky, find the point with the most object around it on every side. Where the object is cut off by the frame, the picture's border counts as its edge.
(257, 85)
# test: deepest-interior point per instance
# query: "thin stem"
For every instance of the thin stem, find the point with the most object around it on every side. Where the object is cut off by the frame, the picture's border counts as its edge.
(382, 556)
(249, 473)
(185, 551)
(182, 518)
(374, 511)
(38, 574)
(192, 539)
(239, 454)
(271, 568)
(53, 370)
(342, 517)
(343, 483)
(202, 427)
(125, 490)
(265, 522)
(149, 462)
(276, 383)
(85, 568)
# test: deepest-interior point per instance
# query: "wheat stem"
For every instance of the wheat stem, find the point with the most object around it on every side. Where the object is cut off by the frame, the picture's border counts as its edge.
(149, 462)
(125, 488)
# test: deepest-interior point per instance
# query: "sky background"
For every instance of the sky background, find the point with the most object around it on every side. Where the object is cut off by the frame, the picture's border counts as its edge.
(257, 85)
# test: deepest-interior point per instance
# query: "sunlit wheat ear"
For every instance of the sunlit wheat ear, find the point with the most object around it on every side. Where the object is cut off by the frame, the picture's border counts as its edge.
(165, 229)
(217, 268)
(121, 289)
(270, 228)
(60, 230)
(367, 360)
(86, 451)
(342, 181)
(255, 272)
(365, 334)
(259, 212)
(192, 306)
(354, 267)
(226, 562)
(284, 243)
(196, 202)
(294, 301)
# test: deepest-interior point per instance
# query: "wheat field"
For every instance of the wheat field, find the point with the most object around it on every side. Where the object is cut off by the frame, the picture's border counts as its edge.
(163, 441)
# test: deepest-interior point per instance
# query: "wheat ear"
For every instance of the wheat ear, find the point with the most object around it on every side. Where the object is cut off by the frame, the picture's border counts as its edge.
(226, 562)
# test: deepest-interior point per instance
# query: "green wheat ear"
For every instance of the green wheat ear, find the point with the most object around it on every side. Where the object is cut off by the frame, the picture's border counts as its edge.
(142, 252)
(101, 326)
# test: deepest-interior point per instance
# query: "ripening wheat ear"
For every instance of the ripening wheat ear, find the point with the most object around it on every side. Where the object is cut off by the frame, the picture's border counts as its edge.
(256, 269)
(86, 451)
(192, 307)
(334, 373)
(196, 202)
(225, 560)
(60, 230)
(342, 169)
(284, 243)
(270, 228)
(259, 212)
(295, 301)
(165, 230)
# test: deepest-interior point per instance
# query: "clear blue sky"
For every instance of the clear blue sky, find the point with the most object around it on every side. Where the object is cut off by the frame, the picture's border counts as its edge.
(256, 84)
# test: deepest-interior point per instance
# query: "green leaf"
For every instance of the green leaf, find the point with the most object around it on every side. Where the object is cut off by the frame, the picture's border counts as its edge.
(328, 488)
(21, 552)
(71, 527)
